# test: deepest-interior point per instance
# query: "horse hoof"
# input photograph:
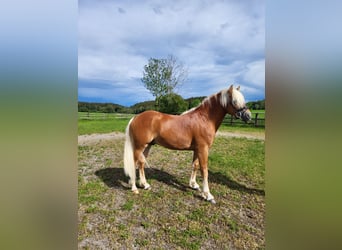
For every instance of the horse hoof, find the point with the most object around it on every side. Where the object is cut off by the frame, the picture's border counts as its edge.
(147, 187)
(194, 186)
(136, 191)
(212, 201)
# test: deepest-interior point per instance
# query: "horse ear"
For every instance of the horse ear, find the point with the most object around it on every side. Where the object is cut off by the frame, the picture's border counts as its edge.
(230, 90)
(238, 88)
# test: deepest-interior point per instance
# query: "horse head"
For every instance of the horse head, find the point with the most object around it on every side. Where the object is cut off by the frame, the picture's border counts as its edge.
(237, 105)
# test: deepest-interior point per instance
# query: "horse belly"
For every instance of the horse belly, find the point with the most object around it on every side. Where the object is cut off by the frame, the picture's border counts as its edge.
(174, 141)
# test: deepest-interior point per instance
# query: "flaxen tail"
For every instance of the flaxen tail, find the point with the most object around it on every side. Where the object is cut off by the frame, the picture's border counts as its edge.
(129, 164)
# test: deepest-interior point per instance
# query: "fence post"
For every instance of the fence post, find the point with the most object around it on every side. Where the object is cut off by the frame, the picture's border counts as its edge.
(256, 120)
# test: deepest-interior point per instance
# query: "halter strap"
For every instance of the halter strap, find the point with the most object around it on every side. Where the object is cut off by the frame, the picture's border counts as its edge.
(240, 111)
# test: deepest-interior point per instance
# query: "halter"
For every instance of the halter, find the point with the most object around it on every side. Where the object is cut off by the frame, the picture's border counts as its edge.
(240, 112)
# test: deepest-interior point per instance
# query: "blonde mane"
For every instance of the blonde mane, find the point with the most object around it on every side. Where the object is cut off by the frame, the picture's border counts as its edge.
(237, 99)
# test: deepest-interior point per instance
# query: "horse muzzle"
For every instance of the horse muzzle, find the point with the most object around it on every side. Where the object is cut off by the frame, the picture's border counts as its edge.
(244, 114)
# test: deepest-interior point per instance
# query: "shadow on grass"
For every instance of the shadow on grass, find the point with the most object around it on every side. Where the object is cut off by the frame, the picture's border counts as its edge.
(115, 178)
(225, 180)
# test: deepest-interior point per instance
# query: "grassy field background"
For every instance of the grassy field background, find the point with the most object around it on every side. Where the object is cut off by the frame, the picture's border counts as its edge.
(106, 123)
(170, 215)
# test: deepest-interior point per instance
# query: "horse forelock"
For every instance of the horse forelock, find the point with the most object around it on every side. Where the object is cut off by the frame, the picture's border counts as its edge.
(223, 97)
(238, 99)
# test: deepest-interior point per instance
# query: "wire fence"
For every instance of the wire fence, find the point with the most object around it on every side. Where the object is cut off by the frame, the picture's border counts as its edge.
(258, 118)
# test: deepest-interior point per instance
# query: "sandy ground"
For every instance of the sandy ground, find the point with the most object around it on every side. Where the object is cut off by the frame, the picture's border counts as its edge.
(95, 138)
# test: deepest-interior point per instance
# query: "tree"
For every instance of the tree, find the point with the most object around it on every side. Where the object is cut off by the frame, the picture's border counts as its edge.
(255, 105)
(163, 76)
(172, 104)
(194, 101)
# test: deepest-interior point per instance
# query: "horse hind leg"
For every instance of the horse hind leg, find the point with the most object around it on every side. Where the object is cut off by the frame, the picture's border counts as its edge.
(142, 179)
(141, 161)
(147, 150)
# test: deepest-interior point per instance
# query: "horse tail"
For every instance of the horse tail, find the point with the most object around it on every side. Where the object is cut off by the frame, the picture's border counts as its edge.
(129, 164)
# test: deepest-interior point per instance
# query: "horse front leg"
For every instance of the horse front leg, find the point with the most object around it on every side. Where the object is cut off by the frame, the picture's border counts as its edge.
(195, 166)
(203, 161)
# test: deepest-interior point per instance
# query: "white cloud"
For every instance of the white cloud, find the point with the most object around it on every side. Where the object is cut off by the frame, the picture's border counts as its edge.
(255, 73)
(220, 42)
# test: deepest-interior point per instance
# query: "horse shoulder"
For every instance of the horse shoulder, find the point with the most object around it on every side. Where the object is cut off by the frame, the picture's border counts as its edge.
(203, 132)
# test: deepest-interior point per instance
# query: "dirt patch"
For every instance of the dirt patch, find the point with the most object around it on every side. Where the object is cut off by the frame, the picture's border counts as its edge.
(257, 136)
(84, 140)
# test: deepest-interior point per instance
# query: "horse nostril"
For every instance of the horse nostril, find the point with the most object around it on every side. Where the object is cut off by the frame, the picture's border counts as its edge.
(246, 116)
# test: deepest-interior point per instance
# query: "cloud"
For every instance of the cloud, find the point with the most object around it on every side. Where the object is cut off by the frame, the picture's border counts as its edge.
(255, 73)
(121, 10)
(219, 42)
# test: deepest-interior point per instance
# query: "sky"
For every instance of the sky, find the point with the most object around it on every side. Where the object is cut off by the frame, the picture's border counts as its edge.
(219, 43)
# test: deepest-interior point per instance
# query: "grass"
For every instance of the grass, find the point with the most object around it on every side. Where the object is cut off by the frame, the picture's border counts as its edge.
(98, 123)
(241, 129)
(240, 160)
(170, 215)
(261, 113)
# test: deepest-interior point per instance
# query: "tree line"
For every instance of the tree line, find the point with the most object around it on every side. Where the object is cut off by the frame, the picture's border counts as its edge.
(256, 105)
(172, 104)
(166, 107)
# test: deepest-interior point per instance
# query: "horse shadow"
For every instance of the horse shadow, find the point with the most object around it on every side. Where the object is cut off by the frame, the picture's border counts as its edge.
(115, 178)
(227, 181)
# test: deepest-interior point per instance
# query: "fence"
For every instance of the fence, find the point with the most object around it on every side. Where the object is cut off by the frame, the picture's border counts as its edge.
(258, 118)
(102, 116)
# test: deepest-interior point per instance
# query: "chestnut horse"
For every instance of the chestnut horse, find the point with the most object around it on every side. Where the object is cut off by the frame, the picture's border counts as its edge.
(193, 130)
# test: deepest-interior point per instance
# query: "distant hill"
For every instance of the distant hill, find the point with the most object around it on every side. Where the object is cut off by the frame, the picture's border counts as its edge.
(142, 106)
(100, 107)
(148, 105)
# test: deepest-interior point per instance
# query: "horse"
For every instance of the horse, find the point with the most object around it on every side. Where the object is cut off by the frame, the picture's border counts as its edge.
(193, 130)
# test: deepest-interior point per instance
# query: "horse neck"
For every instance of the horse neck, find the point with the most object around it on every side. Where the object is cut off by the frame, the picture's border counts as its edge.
(214, 110)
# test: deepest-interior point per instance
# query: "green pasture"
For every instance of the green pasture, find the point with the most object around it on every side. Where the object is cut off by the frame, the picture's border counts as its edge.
(261, 113)
(89, 123)
(102, 123)
(171, 215)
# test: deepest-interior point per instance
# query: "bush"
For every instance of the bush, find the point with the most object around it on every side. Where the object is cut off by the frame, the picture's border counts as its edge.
(172, 104)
